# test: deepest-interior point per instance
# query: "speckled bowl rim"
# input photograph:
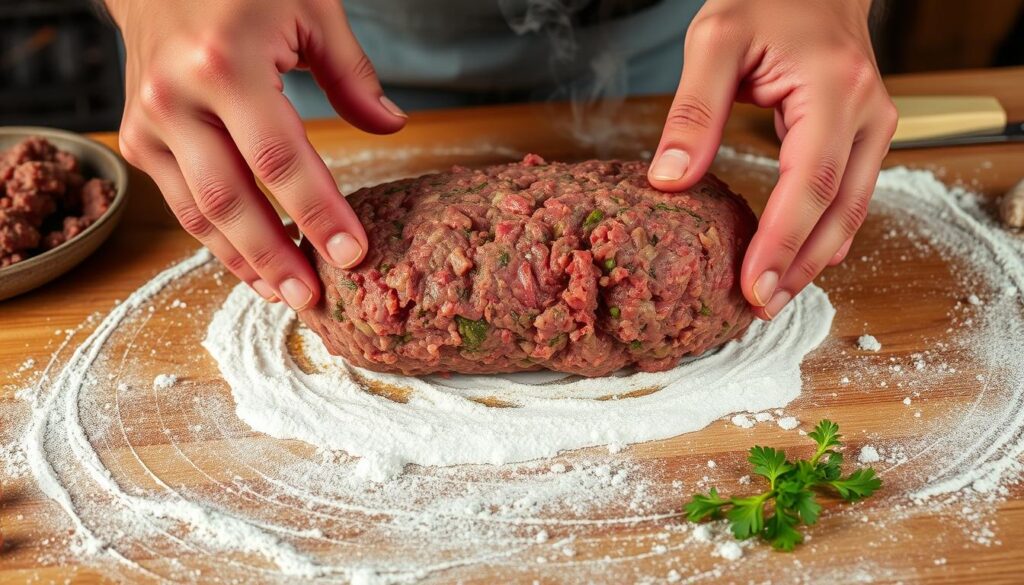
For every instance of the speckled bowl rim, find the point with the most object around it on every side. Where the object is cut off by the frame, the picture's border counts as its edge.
(113, 213)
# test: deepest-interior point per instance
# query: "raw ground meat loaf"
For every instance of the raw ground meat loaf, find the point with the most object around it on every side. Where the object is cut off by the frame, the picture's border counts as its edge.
(581, 268)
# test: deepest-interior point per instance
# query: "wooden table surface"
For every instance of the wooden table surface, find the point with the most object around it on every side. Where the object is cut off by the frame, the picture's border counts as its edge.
(149, 239)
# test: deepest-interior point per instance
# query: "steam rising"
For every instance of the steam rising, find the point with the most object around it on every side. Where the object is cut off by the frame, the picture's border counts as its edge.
(596, 92)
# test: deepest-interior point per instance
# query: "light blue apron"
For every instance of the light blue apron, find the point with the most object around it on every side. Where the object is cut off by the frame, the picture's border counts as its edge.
(447, 53)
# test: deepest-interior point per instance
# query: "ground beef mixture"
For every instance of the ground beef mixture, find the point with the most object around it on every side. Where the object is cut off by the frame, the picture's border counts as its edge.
(581, 268)
(44, 199)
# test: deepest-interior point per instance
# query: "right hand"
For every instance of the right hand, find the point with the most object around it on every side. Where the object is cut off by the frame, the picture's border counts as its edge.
(204, 113)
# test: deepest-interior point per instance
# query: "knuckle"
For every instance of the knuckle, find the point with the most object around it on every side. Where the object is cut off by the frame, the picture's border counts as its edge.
(890, 117)
(824, 182)
(274, 160)
(218, 201)
(690, 112)
(808, 269)
(157, 96)
(193, 221)
(854, 214)
(711, 30)
(860, 76)
(235, 263)
(130, 142)
(363, 68)
(314, 216)
(791, 243)
(210, 62)
(264, 258)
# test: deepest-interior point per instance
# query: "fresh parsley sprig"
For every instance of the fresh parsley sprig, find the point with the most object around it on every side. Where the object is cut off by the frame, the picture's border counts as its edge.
(791, 497)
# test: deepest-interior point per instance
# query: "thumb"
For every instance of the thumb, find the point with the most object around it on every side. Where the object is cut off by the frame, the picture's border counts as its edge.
(693, 128)
(342, 69)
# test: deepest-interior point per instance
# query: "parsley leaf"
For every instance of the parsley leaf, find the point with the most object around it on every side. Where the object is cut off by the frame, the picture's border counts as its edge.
(780, 530)
(705, 506)
(858, 485)
(775, 515)
(826, 435)
(746, 517)
(769, 463)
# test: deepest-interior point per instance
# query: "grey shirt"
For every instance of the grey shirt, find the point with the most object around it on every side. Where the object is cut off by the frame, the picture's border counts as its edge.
(446, 53)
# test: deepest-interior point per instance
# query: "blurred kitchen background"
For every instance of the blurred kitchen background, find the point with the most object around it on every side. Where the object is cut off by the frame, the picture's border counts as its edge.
(60, 59)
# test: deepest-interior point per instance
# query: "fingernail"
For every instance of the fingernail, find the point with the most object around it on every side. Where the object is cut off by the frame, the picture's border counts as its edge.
(670, 166)
(263, 289)
(296, 293)
(344, 250)
(392, 107)
(778, 302)
(764, 286)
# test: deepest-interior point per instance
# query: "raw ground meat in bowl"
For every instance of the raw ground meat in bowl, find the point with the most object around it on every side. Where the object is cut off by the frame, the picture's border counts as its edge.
(581, 268)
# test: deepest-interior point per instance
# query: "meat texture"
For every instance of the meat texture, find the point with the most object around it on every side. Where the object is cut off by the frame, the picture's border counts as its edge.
(580, 268)
(44, 199)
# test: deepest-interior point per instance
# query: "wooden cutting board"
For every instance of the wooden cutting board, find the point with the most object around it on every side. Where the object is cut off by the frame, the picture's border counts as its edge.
(149, 240)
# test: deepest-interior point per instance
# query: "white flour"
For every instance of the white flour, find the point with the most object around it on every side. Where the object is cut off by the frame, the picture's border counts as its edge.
(267, 510)
(441, 424)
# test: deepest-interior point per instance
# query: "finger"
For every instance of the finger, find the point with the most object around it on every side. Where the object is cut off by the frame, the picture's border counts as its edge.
(780, 125)
(843, 218)
(841, 254)
(693, 128)
(273, 142)
(157, 161)
(228, 198)
(811, 164)
(342, 69)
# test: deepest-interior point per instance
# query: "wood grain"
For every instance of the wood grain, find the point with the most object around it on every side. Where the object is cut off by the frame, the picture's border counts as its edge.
(149, 240)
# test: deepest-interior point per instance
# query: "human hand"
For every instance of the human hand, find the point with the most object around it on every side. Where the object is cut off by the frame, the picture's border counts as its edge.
(812, 61)
(205, 112)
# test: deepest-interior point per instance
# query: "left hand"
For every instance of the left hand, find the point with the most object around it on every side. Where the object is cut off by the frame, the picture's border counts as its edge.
(812, 61)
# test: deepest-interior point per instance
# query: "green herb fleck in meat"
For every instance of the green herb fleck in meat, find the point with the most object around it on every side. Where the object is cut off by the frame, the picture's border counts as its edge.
(615, 312)
(394, 189)
(473, 333)
(667, 207)
(349, 284)
(704, 309)
(593, 219)
(339, 310)
(399, 227)
(635, 345)
(385, 268)
(556, 340)
(503, 259)
(609, 264)
(402, 339)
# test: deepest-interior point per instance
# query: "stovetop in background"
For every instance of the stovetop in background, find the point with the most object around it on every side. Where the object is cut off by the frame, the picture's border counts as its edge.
(59, 66)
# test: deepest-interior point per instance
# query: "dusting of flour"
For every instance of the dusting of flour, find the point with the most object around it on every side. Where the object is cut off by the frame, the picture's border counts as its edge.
(442, 424)
(444, 488)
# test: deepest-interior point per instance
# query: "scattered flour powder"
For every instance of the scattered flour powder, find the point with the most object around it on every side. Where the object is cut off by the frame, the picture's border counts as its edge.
(868, 454)
(552, 412)
(164, 381)
(868, 343)
(439, 438)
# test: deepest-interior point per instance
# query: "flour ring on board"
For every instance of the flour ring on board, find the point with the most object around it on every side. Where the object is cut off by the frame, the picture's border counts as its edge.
(443, 422)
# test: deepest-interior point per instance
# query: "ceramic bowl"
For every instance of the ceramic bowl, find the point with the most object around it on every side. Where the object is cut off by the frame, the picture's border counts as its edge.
(96, 161)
